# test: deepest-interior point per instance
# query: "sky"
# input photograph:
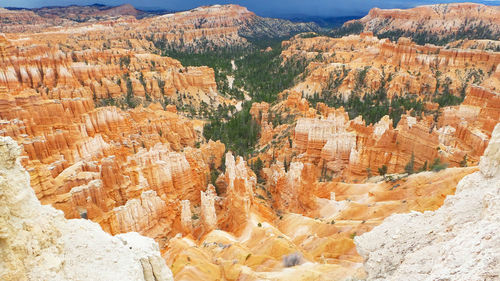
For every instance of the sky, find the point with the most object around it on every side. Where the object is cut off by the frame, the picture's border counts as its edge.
(323, 8)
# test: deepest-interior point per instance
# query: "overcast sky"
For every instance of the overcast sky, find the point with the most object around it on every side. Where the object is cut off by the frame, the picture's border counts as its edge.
(261, 7)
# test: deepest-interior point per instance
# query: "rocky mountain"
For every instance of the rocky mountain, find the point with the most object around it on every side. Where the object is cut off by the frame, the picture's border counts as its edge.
(24, 20)
(362, 64)
(438, 24)
(36, 20)
(203, 28)
(94, 12)
(213, 27)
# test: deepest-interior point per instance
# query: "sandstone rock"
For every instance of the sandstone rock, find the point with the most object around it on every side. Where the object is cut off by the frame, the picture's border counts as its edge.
(98, 161)
(144, 215)
(186, 216)
(207, 26)
(437, 19)
(40, 244)
(138, 169)
(459, 241)
(349, 149)
(336, 63)
(208, 215)
(240, 182)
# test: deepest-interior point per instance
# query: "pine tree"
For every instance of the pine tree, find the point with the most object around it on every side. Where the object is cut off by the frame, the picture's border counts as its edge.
(424, 168)
(463, 163)
(409, 168)
(257, 168)
(382, 170)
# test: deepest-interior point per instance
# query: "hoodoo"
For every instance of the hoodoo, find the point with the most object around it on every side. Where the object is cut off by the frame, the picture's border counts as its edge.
(38, 243)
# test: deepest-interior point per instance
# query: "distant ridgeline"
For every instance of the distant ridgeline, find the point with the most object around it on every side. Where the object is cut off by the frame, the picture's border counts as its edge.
(435, 24)
(240, 29)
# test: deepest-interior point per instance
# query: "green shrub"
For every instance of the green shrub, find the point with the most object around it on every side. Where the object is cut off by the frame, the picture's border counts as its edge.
(409, 168)
(438, 166)
(382, 170)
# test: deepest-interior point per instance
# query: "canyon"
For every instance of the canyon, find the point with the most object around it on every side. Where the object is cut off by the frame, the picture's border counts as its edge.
(382, 155)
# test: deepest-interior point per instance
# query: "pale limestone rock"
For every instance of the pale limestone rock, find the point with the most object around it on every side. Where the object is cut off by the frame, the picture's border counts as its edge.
(332, 196)
(38, 243)
(142, 247)
(294, 174)
(382, 126)
(459, 241)
(490, 161)
(208, 215)
(138, 214)
(186, 216)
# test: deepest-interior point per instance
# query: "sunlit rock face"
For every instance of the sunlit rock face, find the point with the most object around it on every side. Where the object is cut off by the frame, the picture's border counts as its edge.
(208, 214)
(110, 164)
(240, 183)
(341, 148)
(362, 64)
(38, 243)
(458, 241)
(440, 20)
(103, 75)
(127, 169)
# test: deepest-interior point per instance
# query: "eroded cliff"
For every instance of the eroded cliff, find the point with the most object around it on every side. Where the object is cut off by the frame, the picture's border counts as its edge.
(432, 23)
(38, 243)
(459, 241)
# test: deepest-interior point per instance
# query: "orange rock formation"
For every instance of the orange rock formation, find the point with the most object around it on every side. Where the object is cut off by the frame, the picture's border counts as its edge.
(109, 165)
(350, 150)
(401, 68)
(107, 75)
(439, 19)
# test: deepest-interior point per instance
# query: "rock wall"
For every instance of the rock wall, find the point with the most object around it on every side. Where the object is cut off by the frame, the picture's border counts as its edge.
(103, 74)
(199, 29)
(363, 64)
(348, 149)
(441, 19)
(38, 243)
(459, 241)
(126, 169)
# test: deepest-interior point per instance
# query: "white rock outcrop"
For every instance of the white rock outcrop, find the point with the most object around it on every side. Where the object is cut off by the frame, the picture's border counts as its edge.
(38, 243)
(208, 214)
(459, 241)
